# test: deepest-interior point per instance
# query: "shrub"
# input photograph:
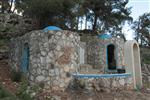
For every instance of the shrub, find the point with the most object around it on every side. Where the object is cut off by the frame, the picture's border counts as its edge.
(6, 95)
(16, 76)
(22, 92)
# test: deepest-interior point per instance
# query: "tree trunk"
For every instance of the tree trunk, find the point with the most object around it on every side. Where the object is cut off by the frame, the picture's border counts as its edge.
(141, 41)
(78, 23)
(11, 4)
(2, 7)
(137, 37)
(95, 22)
(81, 24)
(85, 21)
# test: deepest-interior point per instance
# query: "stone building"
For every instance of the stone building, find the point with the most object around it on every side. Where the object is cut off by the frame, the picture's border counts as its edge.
(104, 53)
(57, 57)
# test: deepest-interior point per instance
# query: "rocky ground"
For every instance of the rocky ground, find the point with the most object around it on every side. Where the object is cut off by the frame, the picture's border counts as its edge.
(98, 95)
(74, 93)
(5, 75)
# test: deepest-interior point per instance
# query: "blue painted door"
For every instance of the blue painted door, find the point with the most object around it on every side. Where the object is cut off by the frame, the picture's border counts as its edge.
(25, 59)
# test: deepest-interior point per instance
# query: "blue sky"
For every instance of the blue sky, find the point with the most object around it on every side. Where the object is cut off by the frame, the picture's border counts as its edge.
(139, 7)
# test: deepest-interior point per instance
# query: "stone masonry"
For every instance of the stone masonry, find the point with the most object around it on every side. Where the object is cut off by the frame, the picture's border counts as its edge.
(96, 52)
(53, 56)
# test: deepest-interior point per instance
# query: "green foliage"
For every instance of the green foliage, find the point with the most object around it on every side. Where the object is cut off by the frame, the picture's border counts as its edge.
(79, 84)
(49, 12)
(141, 27)
(4, 6)
(26, 92)
(102, 14)
(25, 96)
(6, 95)
(146, 58)
(16, 76)
(22, 92)
(106, 14)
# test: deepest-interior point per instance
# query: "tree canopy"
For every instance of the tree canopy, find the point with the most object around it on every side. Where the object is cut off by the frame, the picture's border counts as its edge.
(106, 13)
(142, 29)
(102, 14)
(49, 12)
(6, 6)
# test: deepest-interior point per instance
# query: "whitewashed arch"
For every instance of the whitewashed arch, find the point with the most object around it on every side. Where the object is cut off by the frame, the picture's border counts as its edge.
(133, 62)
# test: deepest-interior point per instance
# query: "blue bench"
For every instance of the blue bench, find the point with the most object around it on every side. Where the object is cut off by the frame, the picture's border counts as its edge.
(77, 75)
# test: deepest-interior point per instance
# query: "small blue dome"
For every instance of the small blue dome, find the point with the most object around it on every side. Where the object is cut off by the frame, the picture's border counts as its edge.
(52, 28)
(104, 36)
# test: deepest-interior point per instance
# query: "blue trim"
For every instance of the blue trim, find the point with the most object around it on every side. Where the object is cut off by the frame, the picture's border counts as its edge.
(52, 28)
(100, 75)
(104, 36)
(25, 58)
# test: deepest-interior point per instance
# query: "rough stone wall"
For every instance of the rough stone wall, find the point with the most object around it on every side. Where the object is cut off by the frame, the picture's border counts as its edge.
(15, 52)
(96, 52)
(119, 51)
(146, 74)
(53, 56)
(93, 51)
(115, 83)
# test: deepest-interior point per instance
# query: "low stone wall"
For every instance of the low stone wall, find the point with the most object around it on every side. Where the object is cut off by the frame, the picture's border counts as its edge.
(115, 83)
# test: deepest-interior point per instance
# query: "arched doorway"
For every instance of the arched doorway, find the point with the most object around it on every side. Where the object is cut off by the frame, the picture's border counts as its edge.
(132, 62)
(25, 58)
(111, 60)
(137, 69)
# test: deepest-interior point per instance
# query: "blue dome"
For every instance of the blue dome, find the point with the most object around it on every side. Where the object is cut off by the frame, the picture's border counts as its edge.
(52, 28)
(104, 36)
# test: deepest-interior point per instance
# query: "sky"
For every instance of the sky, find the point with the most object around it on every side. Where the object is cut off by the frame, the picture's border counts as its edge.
(139, 7)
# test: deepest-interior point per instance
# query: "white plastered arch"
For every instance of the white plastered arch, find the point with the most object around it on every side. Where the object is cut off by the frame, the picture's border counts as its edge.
(133, 62)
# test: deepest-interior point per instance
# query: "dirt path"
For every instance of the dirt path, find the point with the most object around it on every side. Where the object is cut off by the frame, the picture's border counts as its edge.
(113, 95)
(5, 77)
